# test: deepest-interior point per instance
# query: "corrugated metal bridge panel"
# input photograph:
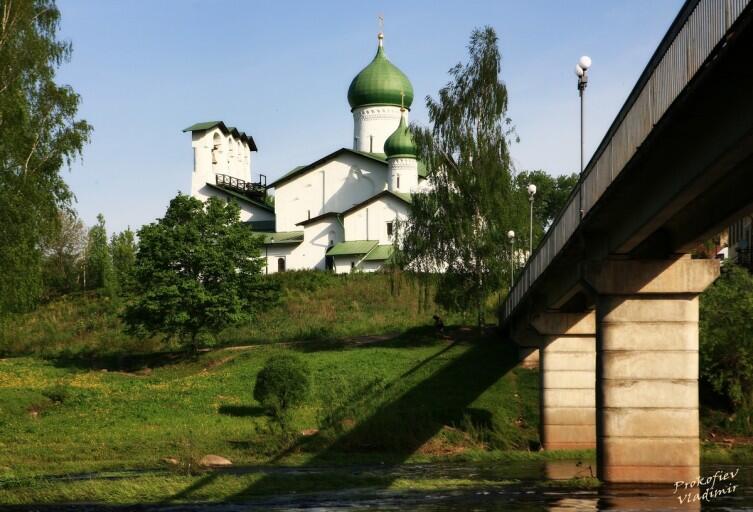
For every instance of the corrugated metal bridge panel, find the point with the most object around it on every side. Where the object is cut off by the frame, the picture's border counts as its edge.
(703, 30)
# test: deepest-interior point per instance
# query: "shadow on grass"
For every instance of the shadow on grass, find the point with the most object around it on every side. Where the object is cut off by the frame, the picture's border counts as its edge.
(405, 423)
(414, 337)
(134, 363)
(241, 410)
(123, 362)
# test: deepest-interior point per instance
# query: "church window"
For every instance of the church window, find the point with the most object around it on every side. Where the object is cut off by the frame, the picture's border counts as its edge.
(398, 181)
(371, 143)
(216, 144)
(352, 265)
(281, 264)
(389, 228)
(194, 159)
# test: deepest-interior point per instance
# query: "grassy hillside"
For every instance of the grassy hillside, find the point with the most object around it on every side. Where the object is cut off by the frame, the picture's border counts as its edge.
(415, 397)
(314, 305)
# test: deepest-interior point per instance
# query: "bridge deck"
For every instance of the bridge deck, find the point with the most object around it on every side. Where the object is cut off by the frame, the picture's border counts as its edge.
(700, 31)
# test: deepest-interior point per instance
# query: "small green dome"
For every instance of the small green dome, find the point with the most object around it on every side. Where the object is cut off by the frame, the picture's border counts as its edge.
(400, 143)
(380, 83)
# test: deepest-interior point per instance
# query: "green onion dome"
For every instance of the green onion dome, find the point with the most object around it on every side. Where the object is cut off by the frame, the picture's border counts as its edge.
(380, 83)
(400, 143)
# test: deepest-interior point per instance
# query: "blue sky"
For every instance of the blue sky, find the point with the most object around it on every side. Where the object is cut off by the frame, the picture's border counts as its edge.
(280, 71)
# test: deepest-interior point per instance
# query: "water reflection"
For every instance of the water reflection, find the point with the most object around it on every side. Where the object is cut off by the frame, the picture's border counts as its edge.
(516, 486)
(569, 469)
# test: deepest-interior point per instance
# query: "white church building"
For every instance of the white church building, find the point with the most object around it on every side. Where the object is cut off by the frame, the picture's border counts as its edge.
(340, 212)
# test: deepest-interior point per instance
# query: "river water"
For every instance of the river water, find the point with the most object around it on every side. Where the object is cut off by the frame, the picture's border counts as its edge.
(537, 486)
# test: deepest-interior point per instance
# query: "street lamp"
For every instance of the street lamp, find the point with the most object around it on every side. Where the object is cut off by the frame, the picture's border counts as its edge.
(511, 237)
(581, 71)
(531, 193)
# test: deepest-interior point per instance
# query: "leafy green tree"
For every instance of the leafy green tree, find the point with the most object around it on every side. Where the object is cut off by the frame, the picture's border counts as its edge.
(39, 134)
(63, 253)
(282, 385)
(726, 336)
(551, 197)
(459, 226)
(98, 270)
(123, 249)
(197, 271)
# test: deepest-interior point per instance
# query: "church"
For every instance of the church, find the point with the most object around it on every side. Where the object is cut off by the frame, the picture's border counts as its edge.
(341, 212)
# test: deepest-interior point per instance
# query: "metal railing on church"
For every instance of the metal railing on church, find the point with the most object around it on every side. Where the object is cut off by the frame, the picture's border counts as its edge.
(253, 190)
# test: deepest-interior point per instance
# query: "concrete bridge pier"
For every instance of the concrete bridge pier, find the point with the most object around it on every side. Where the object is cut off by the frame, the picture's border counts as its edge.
(567, 371)
(647, 367)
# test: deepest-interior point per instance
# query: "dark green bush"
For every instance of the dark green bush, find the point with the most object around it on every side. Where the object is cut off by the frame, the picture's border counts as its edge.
(57, 394)
(726, 336)
(305, 280)
(282, 385)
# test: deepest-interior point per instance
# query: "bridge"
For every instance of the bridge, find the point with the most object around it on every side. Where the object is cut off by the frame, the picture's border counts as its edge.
(609, 299)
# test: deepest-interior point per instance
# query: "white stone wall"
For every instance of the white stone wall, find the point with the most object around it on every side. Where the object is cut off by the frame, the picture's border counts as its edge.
(403, 175)
(371, 266)
(318, 237)
(273, 252)
(248, 211)
(343, 264)
(215, 152)
(333, 187)
(370, 221)
(372, 126)
(309, 254)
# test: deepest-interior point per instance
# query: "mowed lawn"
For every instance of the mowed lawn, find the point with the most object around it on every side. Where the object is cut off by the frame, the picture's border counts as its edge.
(415, 397)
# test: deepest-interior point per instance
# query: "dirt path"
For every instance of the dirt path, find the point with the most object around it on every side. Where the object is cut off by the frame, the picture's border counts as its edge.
(351, 341)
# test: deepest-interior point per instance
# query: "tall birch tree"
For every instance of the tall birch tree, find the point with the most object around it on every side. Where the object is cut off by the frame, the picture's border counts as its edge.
(459, 226)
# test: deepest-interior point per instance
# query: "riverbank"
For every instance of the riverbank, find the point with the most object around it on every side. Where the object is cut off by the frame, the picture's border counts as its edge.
(457, 393)
(382, 410)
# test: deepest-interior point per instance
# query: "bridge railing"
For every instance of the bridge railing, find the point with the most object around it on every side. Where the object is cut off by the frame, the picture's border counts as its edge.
(699, 28)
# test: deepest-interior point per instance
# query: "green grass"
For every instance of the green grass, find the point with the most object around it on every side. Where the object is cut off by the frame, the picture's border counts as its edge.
(79, 396)
(224, 487)
(410, 399)
(314, 305)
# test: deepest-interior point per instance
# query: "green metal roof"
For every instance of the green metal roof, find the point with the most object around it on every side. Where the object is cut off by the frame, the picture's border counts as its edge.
(262, 226)
(284, 237)
(352, 248)
(400, 143)
(312, 220)
(289, 173)
(208, 125)
(301, 169)
(380, 253)
(241, 197)
(380, 83)
(403, 196)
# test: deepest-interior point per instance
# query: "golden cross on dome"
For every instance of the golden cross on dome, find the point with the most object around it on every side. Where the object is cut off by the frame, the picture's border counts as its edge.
(381, 22)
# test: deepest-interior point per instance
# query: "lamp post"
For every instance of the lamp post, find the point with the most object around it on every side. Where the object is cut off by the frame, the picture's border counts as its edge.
(511, 237)
(581, 71)
(531, 194)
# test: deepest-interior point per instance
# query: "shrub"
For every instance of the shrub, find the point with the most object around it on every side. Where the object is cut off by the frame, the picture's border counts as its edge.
(726, 336)
(282, 385)
(305, 280)
(57, 394)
